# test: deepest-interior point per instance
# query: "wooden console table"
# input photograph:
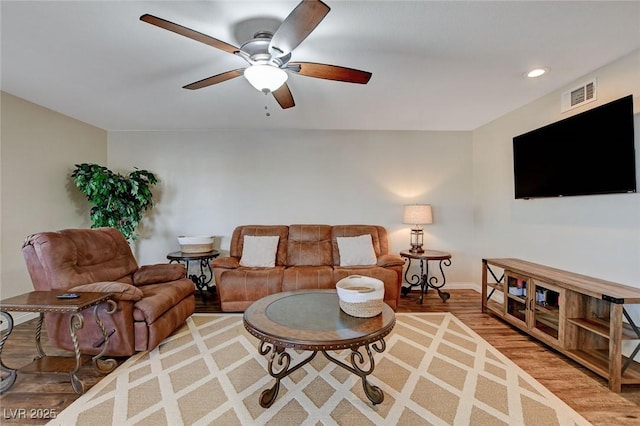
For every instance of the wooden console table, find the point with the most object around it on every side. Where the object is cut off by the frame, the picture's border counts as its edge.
(47, 301)
(579, 316)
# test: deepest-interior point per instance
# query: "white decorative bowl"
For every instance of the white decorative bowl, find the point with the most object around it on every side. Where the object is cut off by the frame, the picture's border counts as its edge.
(360, 296)
(195, 244)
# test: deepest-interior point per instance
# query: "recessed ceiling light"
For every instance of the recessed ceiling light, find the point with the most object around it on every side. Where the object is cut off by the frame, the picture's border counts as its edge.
(537, 72)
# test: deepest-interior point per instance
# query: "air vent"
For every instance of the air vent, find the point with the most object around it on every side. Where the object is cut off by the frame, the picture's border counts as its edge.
(577, 96)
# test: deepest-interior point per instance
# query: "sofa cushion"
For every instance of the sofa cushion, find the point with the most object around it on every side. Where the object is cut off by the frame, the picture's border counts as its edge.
(244, 286)
(259, 251)
(307, 277)
(309, 245)
(356, 251)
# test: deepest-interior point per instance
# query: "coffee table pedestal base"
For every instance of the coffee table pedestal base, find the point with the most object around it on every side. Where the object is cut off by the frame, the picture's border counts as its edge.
(280, 367)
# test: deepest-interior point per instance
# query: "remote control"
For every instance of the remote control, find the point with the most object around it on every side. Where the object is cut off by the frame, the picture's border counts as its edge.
(68, 296)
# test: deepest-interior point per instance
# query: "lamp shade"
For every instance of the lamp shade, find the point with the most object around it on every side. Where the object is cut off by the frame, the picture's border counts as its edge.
(266, 78)
(417, 214)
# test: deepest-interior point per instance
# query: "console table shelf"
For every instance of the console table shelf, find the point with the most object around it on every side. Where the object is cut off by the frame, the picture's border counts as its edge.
(580, 316)
(598, 362)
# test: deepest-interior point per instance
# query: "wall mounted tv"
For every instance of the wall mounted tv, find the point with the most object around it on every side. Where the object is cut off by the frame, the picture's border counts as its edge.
(588, 153)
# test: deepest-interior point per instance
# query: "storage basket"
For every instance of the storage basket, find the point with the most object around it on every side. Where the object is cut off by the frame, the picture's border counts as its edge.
(197, 244)
(360, 296)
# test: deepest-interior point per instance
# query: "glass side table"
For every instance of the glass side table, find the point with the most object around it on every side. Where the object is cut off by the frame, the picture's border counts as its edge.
(423, 280)
(201, 262)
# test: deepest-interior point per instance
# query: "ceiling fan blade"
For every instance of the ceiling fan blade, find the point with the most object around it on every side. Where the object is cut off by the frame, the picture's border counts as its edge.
(188, 32)
(330, 72)
(209, 81)
(297, 26)
(284, 97)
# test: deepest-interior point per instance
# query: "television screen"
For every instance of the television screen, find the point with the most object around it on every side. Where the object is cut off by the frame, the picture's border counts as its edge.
(589, 153)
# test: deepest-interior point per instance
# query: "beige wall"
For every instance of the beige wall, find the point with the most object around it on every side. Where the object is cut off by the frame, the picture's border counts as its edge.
(38, 148)
(213, 181)
(596, 235)
(593, 235)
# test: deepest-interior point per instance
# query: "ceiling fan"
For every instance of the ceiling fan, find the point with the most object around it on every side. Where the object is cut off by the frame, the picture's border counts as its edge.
(268, 54)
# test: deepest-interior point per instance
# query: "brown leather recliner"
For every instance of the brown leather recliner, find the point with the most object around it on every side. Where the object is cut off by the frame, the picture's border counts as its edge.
(307, 257)
(152, 301)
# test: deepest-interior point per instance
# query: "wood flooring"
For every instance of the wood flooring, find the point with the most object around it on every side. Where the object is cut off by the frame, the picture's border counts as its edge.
(32, 397)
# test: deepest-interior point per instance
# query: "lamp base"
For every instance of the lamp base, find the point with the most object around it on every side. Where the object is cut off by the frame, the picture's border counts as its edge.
(417, 236)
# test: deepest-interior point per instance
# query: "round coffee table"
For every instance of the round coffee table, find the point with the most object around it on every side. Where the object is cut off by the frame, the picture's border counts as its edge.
(311, 320)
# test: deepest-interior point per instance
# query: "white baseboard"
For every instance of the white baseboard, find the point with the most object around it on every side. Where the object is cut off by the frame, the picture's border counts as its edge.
(464, 286)
(460, 285)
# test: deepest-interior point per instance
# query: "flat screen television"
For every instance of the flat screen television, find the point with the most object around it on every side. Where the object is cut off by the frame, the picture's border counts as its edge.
(589, 153)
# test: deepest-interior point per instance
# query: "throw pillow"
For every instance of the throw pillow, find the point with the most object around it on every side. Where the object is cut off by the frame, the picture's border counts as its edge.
(259, 251)
(356, 251)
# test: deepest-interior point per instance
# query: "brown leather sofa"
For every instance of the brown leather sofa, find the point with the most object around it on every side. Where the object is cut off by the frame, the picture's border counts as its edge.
(152, 301)
(307, 257)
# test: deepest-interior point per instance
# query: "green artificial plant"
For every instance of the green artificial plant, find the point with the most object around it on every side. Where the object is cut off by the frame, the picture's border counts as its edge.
(118, 201)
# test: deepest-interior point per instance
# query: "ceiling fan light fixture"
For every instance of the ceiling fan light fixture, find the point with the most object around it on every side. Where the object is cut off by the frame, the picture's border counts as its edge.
(266, 78)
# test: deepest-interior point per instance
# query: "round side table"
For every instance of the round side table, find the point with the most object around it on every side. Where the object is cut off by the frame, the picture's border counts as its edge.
(443, 258)
(203, 259)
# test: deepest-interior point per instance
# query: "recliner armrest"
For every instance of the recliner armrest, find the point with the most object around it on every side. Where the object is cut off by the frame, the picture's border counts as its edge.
(388, 260)
(226, 262)
(159, 273)
(121, 291)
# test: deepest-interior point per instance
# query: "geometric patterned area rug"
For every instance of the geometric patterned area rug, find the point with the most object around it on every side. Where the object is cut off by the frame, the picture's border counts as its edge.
(434, 371)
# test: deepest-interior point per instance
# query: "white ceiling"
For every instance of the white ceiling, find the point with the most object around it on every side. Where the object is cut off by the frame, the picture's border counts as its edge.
(436, 65)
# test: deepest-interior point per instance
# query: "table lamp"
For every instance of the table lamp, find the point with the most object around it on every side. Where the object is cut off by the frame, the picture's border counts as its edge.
(417, 214)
